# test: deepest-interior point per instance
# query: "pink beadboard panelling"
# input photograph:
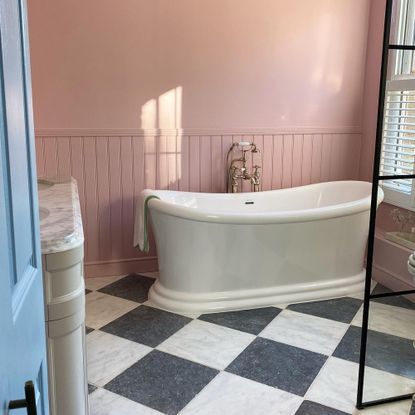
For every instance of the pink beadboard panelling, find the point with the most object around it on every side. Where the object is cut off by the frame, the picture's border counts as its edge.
(51, 157)
(112, 170)
(217, 165)
(267, 158)
(183, 164)
(77, 170)
(306, 157)
(194, 163)
(40, 156)
(127, 193)
(173, 154)
(297, 156)
(326, 157)
(162, 181)
(91, 200)
(150, 161)
(103, 190)
(316, 149)
(205, 166)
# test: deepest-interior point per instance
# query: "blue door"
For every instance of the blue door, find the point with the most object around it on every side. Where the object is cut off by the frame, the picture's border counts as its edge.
(22, 327)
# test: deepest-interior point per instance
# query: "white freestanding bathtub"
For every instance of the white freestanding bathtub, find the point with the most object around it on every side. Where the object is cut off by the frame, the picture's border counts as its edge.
(219, 252)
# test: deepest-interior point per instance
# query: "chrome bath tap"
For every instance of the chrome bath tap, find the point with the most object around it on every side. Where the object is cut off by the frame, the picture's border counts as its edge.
(238, 171)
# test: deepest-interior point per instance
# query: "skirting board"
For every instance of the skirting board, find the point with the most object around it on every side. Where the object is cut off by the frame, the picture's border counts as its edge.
(122, 267)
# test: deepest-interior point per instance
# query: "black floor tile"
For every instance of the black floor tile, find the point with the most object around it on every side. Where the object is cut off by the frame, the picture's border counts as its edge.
(87, 291)
(339, 309)
(385, 352)
(250, 321)
(88, 330)
(279, 365)
(132, 287)
(397, 301)
(146, 325)
(162, 382)
(91, 388)
(312, 408)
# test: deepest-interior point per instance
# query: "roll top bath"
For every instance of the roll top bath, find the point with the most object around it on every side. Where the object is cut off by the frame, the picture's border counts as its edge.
(219, 252)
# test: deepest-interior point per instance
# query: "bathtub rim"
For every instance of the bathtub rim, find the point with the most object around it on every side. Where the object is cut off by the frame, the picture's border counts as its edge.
(262, 218)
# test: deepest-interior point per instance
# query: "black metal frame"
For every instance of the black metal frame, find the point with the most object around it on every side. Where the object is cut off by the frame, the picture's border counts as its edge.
(372, 224)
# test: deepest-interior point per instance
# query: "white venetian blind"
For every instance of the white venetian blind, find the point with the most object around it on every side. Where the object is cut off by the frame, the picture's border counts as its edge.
(398, 145)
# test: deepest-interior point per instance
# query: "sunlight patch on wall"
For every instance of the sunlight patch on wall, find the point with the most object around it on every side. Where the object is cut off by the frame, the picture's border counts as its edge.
(164, 113)
(170, 109)
(149, 115)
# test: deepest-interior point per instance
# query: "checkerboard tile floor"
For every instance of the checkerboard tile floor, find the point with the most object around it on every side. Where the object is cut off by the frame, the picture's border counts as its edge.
(300, 359)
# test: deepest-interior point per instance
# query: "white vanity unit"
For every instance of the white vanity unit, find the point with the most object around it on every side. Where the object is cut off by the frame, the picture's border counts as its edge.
(62, 242)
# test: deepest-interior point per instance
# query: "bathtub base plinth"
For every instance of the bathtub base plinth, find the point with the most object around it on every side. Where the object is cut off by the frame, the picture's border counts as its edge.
(215, 302)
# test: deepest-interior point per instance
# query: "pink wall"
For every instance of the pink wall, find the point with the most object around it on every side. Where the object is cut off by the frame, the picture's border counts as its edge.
(371, 90)
(239, 64)
(152, 93)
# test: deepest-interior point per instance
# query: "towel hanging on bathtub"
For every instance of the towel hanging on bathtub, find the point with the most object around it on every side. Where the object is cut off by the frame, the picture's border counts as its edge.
(141, 241)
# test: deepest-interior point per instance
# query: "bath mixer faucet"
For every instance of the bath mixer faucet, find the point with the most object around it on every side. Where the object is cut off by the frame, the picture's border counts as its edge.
(237, 170)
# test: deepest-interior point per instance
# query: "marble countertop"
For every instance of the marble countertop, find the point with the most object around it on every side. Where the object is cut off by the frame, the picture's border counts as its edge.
(60, 215)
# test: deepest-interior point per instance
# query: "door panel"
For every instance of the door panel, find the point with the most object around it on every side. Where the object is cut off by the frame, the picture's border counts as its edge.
(16, 124)
(22, 326)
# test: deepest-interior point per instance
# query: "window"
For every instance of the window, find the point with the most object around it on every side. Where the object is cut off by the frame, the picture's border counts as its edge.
(398, 144)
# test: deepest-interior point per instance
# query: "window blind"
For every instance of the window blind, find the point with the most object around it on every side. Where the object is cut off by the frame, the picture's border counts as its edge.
(398, 145)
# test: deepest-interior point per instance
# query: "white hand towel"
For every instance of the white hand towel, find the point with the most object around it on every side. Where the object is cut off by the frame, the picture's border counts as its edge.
(141, 220)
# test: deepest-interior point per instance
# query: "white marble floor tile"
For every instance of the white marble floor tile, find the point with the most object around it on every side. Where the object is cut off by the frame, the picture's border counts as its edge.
(336, 385)
(397, 321)
(207, 343)
(95, 283)
(397, 408)
(102, 309)
(190, 315)
(380, 384)
(306, 331)
(109, 355)
(233, 395)
(103, 402)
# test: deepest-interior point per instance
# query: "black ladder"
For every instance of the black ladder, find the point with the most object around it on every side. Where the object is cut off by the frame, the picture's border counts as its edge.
(372, 224)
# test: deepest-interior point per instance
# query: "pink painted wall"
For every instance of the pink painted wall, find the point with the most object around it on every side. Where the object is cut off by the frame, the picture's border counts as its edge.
(371, 89)
(152, 93)
(239, 64)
